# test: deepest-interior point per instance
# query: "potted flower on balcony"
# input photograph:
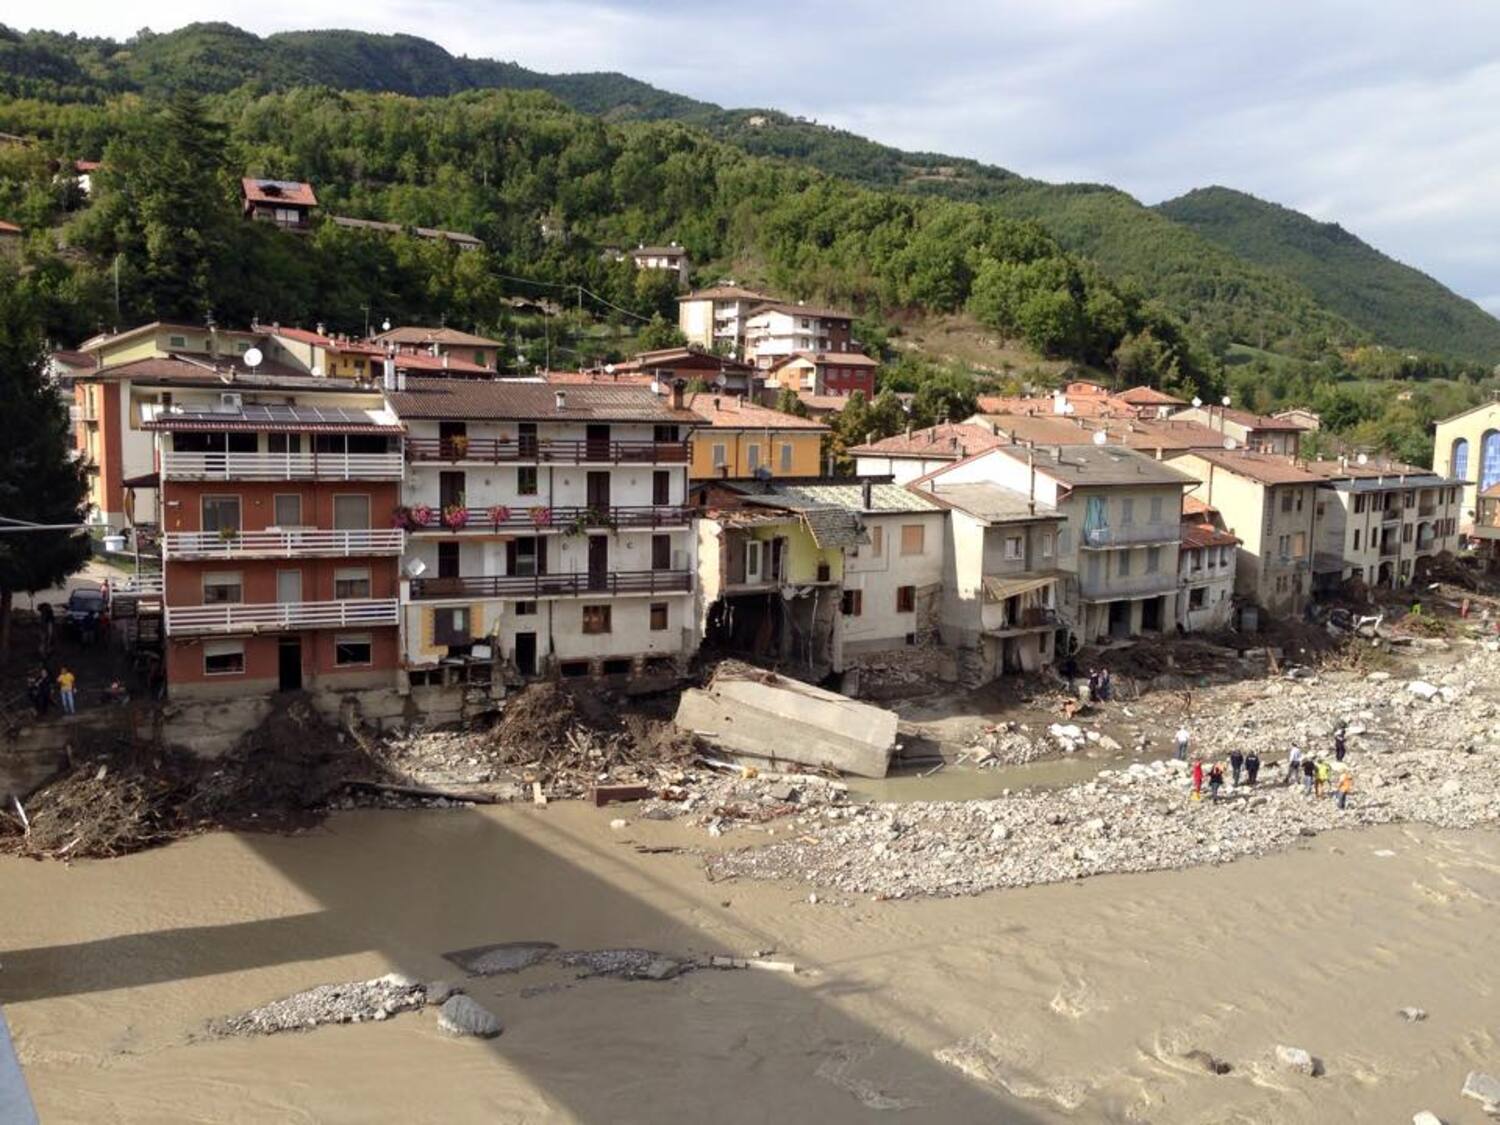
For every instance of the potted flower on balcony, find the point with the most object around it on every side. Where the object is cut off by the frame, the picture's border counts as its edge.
(401, 517)
(499, 514)
(458, 446)
(455, 517)
(229, 534)
(540, 516)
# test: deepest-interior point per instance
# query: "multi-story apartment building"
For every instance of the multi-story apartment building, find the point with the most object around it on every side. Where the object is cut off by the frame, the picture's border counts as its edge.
(1120, 540)
(835, 374)
(1468, 450)
(1271, 503)
(777, 329)
(1260, 433)
(279, 558)
(548, 528)
(1205, 569)
(1000, 584)
(742, 440)
(672, 257)
(715, 318)
(1380, 521)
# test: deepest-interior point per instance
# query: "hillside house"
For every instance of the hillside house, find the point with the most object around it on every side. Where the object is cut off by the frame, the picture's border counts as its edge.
(286, 203)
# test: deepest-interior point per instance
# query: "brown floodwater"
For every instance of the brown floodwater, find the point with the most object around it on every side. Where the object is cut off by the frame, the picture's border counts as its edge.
(1063, 1003)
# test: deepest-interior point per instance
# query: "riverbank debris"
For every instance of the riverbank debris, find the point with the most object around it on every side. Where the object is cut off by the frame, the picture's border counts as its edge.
(351, 1002)
(462, 1016)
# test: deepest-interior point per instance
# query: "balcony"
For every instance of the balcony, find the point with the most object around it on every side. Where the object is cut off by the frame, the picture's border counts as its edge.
(1426, 510)
(542, 519)
(1130, 535)
(1390, 547)
(554, 585)
(290, 543)
(281, 466)
(1134, 586)
(1390, 514)
(494, 451)
(263, 617)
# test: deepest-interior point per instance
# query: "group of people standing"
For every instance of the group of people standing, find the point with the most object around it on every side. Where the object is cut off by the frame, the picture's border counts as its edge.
(39, 689)
(1315, 773)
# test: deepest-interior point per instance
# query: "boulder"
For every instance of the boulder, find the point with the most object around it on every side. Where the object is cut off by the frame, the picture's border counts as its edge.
(460, 1015)
(1426, 1117)
(1422, 689)
(1295, 1058)
(1412, 1015)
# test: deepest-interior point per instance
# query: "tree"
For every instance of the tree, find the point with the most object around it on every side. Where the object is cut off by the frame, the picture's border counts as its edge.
(789, 403)
(945, 397)
(40, 483)
(659, 334)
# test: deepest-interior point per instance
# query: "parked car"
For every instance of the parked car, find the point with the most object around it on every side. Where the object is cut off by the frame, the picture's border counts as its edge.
(83, 603)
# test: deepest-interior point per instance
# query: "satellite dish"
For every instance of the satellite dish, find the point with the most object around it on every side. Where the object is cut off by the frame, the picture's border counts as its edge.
(609, 368)
(1197, 402)
(722, 380)
(414, 568)
(1229, 443)
(1100, 437)
(253, 357)
(1225, 400)
(1362, 459)
(385, 325)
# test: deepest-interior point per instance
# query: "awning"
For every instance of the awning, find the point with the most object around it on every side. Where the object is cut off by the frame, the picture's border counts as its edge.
(998, 589)
(145, 480)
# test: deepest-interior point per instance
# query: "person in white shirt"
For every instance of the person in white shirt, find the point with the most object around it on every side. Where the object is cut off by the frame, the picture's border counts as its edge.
(1293, 765)
(1182, 744)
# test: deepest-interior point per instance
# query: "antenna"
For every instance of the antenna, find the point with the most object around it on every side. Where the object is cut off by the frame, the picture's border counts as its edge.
(253, 358)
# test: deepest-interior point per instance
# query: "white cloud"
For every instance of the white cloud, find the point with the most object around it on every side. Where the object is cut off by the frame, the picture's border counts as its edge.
(1372, 113)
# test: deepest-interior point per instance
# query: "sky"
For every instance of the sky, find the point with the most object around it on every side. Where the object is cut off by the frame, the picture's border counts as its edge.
(1381, 115)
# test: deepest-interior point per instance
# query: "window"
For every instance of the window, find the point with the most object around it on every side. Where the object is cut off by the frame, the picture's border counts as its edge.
(525, 559)
(1286, 501)
(596, 619)
(658, 616)
(479, 357)
(853, 603)
(1013, 547)
(287, 510)
(1299, 544)
(525, 609)
(1356, 538)
(877, 542)
(906, 599)
(786, 457)
(351, 512)
(351, 582)
(1196, 597)
(1300, 497)
(1284, 545)
(1123, 566)
(1406, 533)
(1458, 462)
(1322, 509)
(753, 551)
(283, 443)
(1359, 504)
(1127, 511)
(913, 538)
(352, 650)
(1153, 559)
(526, 480)
(450, 626)
(223, 658)
(1223, 556)
(288, 586)
(1045, 538)
(176, 341)
(449, 565)
(1156, 509)
(221, 513)
(661, 552)
(223, 588)
(752, 456)
(721, 455)
(661, 487)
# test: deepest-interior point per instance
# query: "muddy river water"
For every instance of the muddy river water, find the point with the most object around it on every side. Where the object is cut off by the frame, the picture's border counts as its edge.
(1073, 1002)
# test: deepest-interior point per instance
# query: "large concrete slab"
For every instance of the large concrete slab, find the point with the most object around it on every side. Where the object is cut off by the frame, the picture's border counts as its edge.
(762, 715)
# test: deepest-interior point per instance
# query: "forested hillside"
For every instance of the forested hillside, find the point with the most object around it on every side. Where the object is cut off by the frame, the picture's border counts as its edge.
(1228, 288)
(1346, 275)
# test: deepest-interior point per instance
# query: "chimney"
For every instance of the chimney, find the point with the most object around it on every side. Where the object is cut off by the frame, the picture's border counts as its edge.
(908, 429)
(445, 362)
(1160, 453)
(561, 398)
(867, 495)
(677, 388)
(389, 373)
(322, 331)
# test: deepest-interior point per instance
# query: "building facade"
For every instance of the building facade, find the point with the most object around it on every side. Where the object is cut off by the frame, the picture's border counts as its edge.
(775, 330)
(1468, 450)
(715, 318)
(739, 440)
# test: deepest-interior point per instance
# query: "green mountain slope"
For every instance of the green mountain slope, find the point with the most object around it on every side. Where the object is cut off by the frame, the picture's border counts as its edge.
(1397, 304)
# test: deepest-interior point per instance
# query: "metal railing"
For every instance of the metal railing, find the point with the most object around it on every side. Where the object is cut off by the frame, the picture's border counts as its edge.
(254, 617)
(1130, 535)
(542, 518)
(553, 585)
(144, 584)
(282, 466)
(290, 542)
(496, 450)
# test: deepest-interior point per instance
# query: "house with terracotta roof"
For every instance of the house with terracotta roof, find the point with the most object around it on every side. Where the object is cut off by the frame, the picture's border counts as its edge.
(671, 257)
(1205, 568)
(905, 457)
(287, 203)
(825, 374)
(1270, 502)
(1148, 402)
(1260, 432)
(714, 318)
(777, 329)
(475, 351)
(741, 440)
(720, 373)
(11, 237)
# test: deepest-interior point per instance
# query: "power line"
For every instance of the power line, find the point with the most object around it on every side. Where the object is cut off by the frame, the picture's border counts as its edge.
(581, 290)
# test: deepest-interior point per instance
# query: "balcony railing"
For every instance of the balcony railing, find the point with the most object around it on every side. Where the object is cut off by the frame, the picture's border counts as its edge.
(554, 585)
(256, 617)
(542, 518)
(289, 543)
(489, 451)
(1130, 535)
(282, 466)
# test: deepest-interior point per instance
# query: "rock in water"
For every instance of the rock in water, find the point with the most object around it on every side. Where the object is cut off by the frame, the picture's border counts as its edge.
(1413, 1015)
(460, 1015)
(1295, 1058)
(1426, 1117)
(1482, 1088)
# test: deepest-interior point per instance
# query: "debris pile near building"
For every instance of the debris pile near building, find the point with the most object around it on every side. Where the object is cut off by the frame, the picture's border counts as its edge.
(351, 1002)
(1415, 755)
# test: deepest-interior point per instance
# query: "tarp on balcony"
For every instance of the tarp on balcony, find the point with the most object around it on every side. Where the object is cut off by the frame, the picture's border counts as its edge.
(998, 589)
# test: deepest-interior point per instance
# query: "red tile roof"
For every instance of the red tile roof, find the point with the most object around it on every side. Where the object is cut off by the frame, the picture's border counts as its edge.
(1206, 535)
(1148, 396)
(725, 412)
(1192, 506)
(417, 334)
(829, 359)
(947, 441)
(597, 379)
(293, 192)
(1265, 468)
(482, 399)
(726, 293)
(9, 228)
(792, 308)
(440, 364)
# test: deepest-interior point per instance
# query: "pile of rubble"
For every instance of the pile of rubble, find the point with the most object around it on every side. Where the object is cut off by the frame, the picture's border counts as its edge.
(1420, 751)
(741, 798)
(353, 1002)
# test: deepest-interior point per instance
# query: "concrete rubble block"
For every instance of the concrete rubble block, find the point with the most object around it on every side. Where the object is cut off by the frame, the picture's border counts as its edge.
(504, 957)
(1426, 1117)
(762, 715)
(1482, 1087)
(460, 1015)
(438, 991)
(1296, 1058)
(1422, 690)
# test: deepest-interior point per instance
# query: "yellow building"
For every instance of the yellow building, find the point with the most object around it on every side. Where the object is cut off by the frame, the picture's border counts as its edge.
(740, 440)
(1468, 449)
(160, 339)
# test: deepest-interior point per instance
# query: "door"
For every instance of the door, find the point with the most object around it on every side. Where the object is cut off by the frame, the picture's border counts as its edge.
(526, 446)
(288, 586)
(598, 491)
(289, 663)
(661, 487)
(598, 562)
(597, 436)
(453, 438)
(526, 653)
(451, 489)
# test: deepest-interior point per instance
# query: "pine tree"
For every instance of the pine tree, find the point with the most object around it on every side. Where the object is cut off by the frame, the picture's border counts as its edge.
(39, 481)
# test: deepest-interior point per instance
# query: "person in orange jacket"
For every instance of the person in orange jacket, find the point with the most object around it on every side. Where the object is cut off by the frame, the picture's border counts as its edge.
(1346, 786)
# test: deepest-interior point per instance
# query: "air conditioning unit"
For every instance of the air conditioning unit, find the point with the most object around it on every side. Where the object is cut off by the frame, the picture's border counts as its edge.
(231, 402)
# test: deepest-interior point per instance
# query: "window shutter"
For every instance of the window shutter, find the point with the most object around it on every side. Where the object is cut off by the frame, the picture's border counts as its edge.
(510, 556)
(541, 554)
